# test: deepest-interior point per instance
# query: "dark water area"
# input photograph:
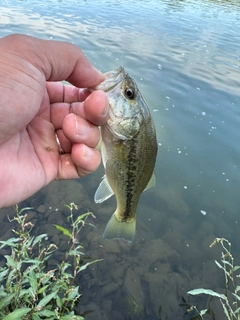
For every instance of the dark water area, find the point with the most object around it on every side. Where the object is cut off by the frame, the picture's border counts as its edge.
(185, 58)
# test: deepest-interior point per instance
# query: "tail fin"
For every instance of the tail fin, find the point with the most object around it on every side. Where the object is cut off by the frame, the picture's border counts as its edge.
(117, 229)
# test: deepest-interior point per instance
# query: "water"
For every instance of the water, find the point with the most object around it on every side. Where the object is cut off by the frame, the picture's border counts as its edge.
(185, 57)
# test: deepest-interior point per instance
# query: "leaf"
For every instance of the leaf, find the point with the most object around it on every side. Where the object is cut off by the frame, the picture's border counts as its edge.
(64, 231)
(39, 238)
(45, 300)
(26, 292)
(10, 262)
(80, 218)
(25, 209)
(203, 312)
(227, 262)
(225, 310)
(35, 317)
(9, 242)
(219, 265)
(207, 291)
(73, 293)
(75, 253)
(17, 314)
(71, 317)
(236, 296)
(33, 281)
(59, 302)
(46, 313)
(238, 288)
(3, 274)
(6, 300)
(43, 288)
(237, 311)
(88, 264)
(235, 268)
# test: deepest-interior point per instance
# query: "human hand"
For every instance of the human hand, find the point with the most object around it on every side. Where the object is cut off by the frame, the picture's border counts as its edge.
(34, 108)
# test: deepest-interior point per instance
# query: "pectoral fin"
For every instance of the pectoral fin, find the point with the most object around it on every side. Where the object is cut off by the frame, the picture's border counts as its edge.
(104, 191)
(151, 182)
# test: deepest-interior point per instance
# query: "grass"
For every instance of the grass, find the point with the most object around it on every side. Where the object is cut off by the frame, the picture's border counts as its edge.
(30, 290)
(230, 299)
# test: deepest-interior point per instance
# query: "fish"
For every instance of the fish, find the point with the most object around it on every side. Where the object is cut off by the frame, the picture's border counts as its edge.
(128, 149)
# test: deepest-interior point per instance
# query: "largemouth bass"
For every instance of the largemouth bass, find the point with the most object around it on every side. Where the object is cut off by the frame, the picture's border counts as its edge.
(129, 150)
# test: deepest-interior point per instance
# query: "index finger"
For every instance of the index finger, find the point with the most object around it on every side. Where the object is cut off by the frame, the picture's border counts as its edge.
(56, 60)
(59, 92)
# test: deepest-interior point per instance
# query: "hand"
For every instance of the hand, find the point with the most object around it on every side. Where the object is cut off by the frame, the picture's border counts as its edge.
(34, 108)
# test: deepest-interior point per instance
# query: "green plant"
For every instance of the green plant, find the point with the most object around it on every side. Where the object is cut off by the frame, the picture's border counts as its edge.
(230, 300)
(27, 288)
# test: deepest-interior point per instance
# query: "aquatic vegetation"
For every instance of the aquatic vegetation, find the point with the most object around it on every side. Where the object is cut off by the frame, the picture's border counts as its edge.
(230, 299)
(134, 308)
(28, 288)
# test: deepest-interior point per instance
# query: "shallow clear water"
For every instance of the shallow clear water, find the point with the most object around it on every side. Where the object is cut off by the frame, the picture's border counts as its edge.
(185, 57)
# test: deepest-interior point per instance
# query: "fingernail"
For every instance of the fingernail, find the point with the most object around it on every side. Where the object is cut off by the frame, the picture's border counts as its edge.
(87, 152)
(82, 127)
(106, 109)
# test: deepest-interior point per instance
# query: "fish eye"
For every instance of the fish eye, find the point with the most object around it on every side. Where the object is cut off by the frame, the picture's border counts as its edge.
(130, 93)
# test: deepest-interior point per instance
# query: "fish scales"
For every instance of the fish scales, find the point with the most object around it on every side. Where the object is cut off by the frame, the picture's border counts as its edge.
(129, 150)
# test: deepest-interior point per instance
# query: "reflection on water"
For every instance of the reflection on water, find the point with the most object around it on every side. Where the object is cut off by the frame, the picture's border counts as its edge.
(184, 55)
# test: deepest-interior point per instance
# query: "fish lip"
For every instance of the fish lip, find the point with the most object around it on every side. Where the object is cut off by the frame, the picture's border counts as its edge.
(112, 79)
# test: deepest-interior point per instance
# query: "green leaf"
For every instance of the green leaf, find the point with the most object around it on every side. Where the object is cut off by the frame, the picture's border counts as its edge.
(59, 302)
(75, 253)
(26, 292)
(88, 264)
(9, 242)
(236, 296)
(64, 231)
(71, 317)
(25, 209)
(237, 311)
(80, 218)
(39, 238)
(10, 262)
(219, 265)
(45, 300)
(33, 281)
(203, 312)
(73, 293)
(225, 310)
(235, 268)
(43, 288)
(46, 313)
(238, 288)
(207, 291)
(227, 262)
(3, 274)
(6, 300)
(17, 314)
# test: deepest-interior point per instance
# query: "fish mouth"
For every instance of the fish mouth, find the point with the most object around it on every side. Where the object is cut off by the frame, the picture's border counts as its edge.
(112, 79)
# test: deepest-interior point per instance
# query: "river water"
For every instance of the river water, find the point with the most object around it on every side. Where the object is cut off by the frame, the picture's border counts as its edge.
(185, 58)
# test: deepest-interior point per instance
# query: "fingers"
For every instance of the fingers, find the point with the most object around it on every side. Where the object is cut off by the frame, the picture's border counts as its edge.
(79, 130)
(82, 161)
(58, 92)
(94, 109)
